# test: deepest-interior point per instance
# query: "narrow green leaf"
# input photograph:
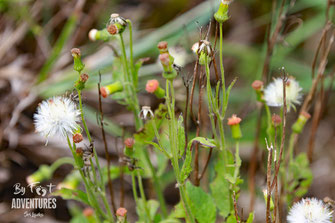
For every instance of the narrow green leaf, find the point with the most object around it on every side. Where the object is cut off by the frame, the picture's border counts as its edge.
(203, 141)
(250, 218)
(181, 136)
(187, 166)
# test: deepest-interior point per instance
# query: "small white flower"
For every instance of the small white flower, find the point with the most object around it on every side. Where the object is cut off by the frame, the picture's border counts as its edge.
(273, 94)
(145, 112)
(92, 34)
(56, 116)
(309, 210)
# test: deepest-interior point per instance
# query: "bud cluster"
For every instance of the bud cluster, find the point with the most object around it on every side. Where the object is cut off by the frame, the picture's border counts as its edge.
(166, 60)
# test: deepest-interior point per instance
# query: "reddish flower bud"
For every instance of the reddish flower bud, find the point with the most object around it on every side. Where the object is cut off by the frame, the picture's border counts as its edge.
(75, 52)
(276, 120)
(162, 45)
(104, 92)
(77, 138)
(121, 212)
(165, 59)
(257, 85)
(152, 86)
(112, 29)
(84, 77)
(129, 143)
(305, 114)
(88, 212)
(79, 151)
(234, 120)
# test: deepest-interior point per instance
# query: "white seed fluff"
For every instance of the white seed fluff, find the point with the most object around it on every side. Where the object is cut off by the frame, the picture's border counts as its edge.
(56, 116)
(273, 94)
(309, 210)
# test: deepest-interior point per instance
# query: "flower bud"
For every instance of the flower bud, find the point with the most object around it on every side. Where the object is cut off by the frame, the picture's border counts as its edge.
(276, 120)
(121, 215)
(204, 51)
(259, 87)
(80, 83)
(152, 86)
(234, 123)
(103, 35)
(162, 47)
(222, 14)
(116, 25)
(111, 89)
(129, 144)
(71, 181)
(79, 151)
(298, 126)
(77, 63)
(88, 212)
(44, 172)
(77, 138)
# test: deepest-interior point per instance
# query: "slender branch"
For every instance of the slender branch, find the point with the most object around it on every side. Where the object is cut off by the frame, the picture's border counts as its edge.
(110, 185)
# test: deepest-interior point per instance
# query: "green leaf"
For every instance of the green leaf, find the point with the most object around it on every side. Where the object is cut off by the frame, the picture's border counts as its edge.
(187, 166)
(220, 185)
(228, 92)
(153, 206)
(231, 219)
(69, 194)
(202, 204)
(250, 218)
(181, 136)
(205, 142)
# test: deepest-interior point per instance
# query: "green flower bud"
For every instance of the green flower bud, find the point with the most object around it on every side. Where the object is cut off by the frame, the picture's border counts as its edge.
(222, 14)
(111, 89)
(259, 87)
(80, 83)
(77, 63)
(234, 123)
(298, 126)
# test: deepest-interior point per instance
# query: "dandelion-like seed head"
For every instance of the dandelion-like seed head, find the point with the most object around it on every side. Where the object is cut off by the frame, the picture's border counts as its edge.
(56, 116)
(273, 94)
(309, 210)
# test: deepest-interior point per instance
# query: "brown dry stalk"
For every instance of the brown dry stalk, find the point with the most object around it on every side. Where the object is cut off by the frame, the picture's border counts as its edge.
(196, 155)
(268, 182)
(110, 185)
(235, 208)
(283, 133)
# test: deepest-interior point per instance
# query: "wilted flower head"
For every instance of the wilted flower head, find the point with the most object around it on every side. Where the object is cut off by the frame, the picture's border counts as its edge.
(273, 94)
(56, 116)
(309, 210)
(145, 112)
(202, 45)
(116, 24)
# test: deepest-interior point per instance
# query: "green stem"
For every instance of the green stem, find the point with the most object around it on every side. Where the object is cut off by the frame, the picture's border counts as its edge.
(131, 92)
(222, 70)
(157, 185)
(175, 156)
(140, 185)
(90, 195)
(60, 162)
(133, 179)
(90, 140)
(135, 79)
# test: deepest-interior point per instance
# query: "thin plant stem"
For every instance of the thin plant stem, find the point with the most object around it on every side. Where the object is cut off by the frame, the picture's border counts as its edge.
(140, 185)
(90, 194)
(222, 69)
(130, 27)
(110, 185)
(89, 138)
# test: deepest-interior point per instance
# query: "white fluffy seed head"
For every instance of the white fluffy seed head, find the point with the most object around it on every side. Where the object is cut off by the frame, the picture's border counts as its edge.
(92, 34)
(56, 116)
(273, 94)
(309, 210)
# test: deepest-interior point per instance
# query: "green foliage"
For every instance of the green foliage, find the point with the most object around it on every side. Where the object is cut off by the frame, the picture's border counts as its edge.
(300, 176)
(202, 204)
(181, 136)
(69, 194)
